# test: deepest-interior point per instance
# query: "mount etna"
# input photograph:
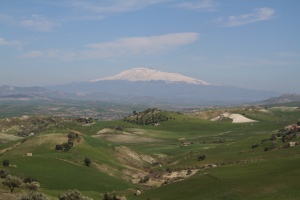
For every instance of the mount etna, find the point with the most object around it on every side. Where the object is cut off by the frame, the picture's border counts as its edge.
(146, 85)
(143, 85)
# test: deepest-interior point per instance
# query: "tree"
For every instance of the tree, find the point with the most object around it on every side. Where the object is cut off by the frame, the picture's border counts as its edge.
(29, 180)
(107, 197)
(59, 147)
(34, 196)
(3, 173)
(12, 182)
(202, 157)
(87, 161)
(6, 163)
(33, 186)
(72, 195)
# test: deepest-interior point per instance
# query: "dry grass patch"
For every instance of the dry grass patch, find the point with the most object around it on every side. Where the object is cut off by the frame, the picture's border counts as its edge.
(123, 136)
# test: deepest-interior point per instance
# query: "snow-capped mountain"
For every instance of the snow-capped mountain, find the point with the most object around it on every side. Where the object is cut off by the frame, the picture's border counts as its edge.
(148, 74)
(144, 85)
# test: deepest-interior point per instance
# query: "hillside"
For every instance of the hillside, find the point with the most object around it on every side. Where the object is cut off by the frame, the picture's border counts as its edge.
(186, 156)
(286, 98)
(153, 87)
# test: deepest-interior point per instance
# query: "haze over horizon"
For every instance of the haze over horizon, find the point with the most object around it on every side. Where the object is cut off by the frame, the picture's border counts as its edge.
(250, 44)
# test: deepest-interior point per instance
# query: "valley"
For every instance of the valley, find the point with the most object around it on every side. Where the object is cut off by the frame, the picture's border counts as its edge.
(157, 154)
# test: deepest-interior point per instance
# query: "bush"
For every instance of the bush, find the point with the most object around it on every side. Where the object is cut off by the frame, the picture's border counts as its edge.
(108, 197)
(255, 145)
(64, 146)
(34, 186)
(34, 196)
(144, 179)
(6, 163)
(4, 173)
(270, 148)
(72, 195)
(202, 157)
(59, 147)
(29, 180)
(87, 162)
(12, 182)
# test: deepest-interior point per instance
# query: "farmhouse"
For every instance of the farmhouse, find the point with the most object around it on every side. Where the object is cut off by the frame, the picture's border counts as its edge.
(292, 144)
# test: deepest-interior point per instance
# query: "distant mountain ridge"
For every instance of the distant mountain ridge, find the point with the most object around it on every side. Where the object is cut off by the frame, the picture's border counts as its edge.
(162, 87)
(11, 90)
(148, 74)
(286, 98)
(143, 86)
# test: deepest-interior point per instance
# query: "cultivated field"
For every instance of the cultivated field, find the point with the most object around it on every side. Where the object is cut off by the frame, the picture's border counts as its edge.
(186, 156)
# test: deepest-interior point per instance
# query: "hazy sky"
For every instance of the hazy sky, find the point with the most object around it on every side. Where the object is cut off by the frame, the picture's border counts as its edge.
(248, 43)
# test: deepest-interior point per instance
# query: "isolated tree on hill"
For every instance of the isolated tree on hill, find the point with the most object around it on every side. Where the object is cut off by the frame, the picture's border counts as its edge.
(87, 161)
(12, 182)
(202, 157)
(6, 163)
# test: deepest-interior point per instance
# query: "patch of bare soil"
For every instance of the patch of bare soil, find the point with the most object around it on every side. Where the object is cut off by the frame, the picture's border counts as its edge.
(132, 158)
(134, 164)
(107, 169)
(160, 178)
(49, 140)
(6, 195)
(133, 175)
(236, 118)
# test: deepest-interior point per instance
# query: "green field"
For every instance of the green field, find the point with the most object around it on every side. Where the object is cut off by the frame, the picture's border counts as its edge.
(127, 156)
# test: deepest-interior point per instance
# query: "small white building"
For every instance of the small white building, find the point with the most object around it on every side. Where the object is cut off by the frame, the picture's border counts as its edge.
(292, 144)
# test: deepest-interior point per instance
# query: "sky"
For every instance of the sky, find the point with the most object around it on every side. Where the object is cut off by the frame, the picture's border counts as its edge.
(253, 44)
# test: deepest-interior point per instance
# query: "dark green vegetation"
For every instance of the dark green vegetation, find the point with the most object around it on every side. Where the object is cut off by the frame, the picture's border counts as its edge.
(148, 117)
(185, 157)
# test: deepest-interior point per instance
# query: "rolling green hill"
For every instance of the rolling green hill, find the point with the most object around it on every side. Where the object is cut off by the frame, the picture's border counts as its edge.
(187, 156)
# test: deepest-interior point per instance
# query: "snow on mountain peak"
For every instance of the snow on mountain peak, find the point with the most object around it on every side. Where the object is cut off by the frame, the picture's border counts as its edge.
(148, 74)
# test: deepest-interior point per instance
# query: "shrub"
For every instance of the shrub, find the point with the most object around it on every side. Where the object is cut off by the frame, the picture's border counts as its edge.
(144, 179)
(12, 182)
(71, 135)
(29, 180)
(202, 157)
(108, 197)
(34, 186)
(72, 195)
(59, 147)
(4, 173)
(6, 163)
(34, 196)
(255, 145)
(87, 162)
(270, 148)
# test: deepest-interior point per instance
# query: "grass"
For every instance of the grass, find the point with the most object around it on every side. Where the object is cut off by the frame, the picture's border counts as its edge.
(246, 173)
(261, 180)
(54, 174)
